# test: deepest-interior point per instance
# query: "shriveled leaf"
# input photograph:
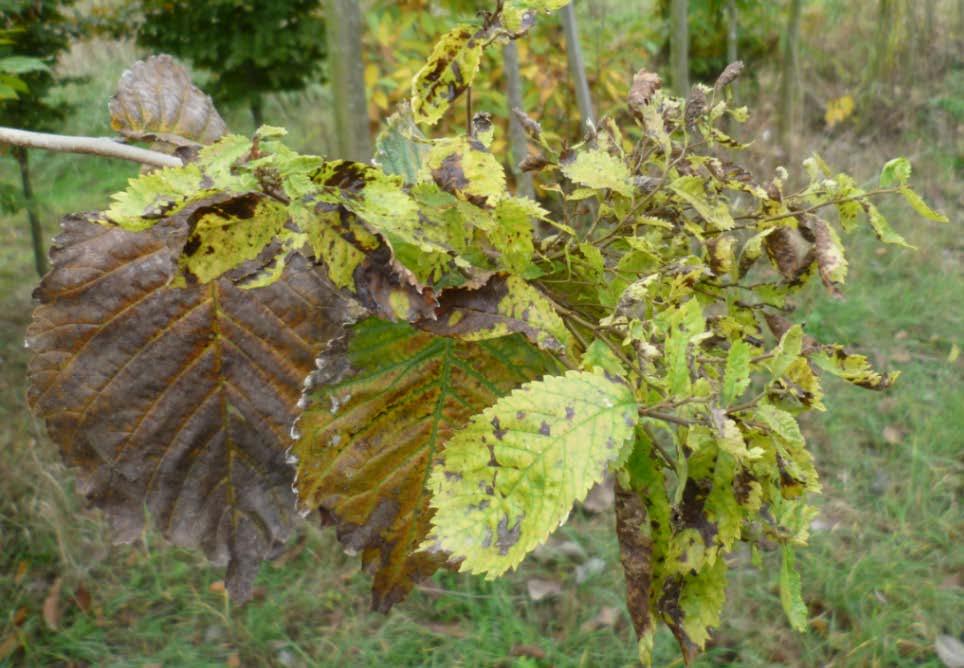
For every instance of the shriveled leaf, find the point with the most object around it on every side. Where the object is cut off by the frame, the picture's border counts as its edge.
(636, 556)
(854, 369)
(504, 305)
(510, 477)
(380, 411)
(790, 596)
(829, 251)
(448, 72)
(789, 252)
(644, 87)
(156, 100)
(177, 400)
(596, 168)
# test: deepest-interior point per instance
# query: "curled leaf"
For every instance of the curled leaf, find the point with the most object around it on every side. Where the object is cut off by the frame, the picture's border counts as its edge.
(156, 100)
(644, 87)
(448, 72)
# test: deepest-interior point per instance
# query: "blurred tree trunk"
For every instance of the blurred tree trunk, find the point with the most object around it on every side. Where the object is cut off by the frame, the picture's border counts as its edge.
(577, 66)
(344, 29)
(679, 46)
(518, 144)
(257, 111)
(732, 32)
(36, 231)
(790, 79)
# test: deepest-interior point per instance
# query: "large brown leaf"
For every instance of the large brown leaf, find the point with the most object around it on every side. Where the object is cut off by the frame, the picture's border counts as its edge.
(179, 401)
(382, 407)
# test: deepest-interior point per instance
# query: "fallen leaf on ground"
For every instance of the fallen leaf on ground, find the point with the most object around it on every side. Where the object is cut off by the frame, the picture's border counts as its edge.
(542, 589)
(950, 650)
(448, 630)
(530, 651)
(557, 551)
(893, 435)
(51, 609)
(9, 645)
(592, 567)
(82, 598)
(22, 569)
(607, 617)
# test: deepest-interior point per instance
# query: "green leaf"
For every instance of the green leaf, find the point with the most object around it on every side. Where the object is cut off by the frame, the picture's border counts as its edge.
(736, 377)
(895, 172)
(791, 343)
(380, 411)
(339, 241)
(921, 207)
(229, 233)
(600, 356)
(466, 169)
(697, 608)
(596, 168)
(881, 227)
(22, 65)
(780, 423)
(400, 147)
(511, 236)
(448, 72)
(791, 597)
(151, 197)
(510, 477)
(691, 190)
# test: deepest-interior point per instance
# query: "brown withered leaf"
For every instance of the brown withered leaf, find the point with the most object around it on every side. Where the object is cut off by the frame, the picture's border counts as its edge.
(378, 413)
(645, 85)
(635, 553)
(155, 100)
(728, 75)
(789, 252)
(829, 252)
(504, 305)
(177, 400)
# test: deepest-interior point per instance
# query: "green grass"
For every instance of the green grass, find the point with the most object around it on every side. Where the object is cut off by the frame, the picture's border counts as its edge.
(881, 577)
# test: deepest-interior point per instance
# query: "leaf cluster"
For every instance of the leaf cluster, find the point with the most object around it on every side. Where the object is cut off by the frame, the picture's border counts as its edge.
(458, 365)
